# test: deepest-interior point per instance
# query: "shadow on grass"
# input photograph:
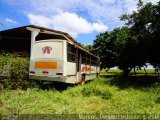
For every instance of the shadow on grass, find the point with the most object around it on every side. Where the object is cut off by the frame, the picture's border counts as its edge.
(137, 82)
(59, 86)
(51, 85)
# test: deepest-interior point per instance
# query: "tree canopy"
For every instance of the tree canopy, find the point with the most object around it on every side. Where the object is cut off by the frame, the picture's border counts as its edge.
(134, 44)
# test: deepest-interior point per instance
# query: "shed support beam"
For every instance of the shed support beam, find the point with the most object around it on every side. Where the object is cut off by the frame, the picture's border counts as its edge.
(34, 33)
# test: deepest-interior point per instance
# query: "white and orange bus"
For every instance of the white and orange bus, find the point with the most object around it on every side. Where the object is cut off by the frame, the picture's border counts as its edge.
(56, 56)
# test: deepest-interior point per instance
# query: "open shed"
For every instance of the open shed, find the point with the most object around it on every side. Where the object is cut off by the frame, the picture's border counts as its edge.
(17, 41)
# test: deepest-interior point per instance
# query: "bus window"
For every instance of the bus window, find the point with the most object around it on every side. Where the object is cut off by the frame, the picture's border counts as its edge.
(71, 53)
(93, 61)
(97, 63)
(45, 36)
(88, 59)
(83, 57)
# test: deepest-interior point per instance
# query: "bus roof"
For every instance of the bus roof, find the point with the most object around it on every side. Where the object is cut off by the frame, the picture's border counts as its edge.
(23, 31)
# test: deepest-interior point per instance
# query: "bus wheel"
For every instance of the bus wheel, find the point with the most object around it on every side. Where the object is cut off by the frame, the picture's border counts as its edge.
(82, 79)
(97, 74)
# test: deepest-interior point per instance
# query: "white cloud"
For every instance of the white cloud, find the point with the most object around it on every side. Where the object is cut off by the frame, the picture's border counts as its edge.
(67, 22)
(11, 21)
(39, 20)
(153, 1)
(99, 27)
(105, 11)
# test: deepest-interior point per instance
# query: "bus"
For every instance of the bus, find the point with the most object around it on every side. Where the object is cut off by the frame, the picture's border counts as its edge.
(56, 56)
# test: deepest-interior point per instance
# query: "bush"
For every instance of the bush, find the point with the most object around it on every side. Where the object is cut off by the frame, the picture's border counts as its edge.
(92, 90)
(19, 68)
(14, 72)
(158, 100)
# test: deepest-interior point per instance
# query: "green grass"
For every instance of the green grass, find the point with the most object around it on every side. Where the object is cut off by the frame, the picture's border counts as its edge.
(119, 72)
(149, 71)
(101, 96)
(111, 71)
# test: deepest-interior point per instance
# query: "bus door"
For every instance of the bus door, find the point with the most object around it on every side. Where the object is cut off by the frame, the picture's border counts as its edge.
(79, 64)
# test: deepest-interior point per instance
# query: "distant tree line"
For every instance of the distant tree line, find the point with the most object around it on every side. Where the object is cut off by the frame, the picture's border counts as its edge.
(134, 44)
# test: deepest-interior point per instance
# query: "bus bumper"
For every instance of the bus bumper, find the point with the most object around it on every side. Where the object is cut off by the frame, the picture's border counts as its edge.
(52, 78)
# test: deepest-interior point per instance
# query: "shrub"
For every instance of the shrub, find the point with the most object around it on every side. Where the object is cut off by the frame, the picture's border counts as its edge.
(92, 90)
(158, 100)
(14, 72)
(19, 68)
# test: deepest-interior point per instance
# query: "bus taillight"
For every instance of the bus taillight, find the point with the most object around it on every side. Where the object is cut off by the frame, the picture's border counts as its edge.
(44, 72)
(32, 72)
(59, 73)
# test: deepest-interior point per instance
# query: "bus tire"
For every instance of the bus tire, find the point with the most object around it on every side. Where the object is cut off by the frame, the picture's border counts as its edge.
(97, 74)
(82, 79)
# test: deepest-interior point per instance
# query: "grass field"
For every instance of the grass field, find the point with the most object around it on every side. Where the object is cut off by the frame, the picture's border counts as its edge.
(101, 96)
(132, 71)
(119, 72)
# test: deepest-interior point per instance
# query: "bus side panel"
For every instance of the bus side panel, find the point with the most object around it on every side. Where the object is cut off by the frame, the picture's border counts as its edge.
(71, 79)
(31, 67)
(93, 69)
(71, 68)
(90, 76)
(98, 69)
(83, 68)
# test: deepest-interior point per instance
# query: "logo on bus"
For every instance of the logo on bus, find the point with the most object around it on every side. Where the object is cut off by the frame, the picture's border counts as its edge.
(86, 68)
(46, 50)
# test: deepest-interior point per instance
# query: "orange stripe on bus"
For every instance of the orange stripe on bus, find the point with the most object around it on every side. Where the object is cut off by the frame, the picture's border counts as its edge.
(87, 68)
(46, 65)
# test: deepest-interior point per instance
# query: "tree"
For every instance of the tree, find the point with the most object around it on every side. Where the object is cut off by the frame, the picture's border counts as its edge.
(108, 46)
(133, 45)
(88, 47)
(103, 48)
(145, 26)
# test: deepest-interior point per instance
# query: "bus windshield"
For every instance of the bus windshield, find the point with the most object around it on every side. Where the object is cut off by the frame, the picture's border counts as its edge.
(48, 49)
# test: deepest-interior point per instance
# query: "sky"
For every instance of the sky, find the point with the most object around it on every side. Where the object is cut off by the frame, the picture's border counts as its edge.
(82, 19)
